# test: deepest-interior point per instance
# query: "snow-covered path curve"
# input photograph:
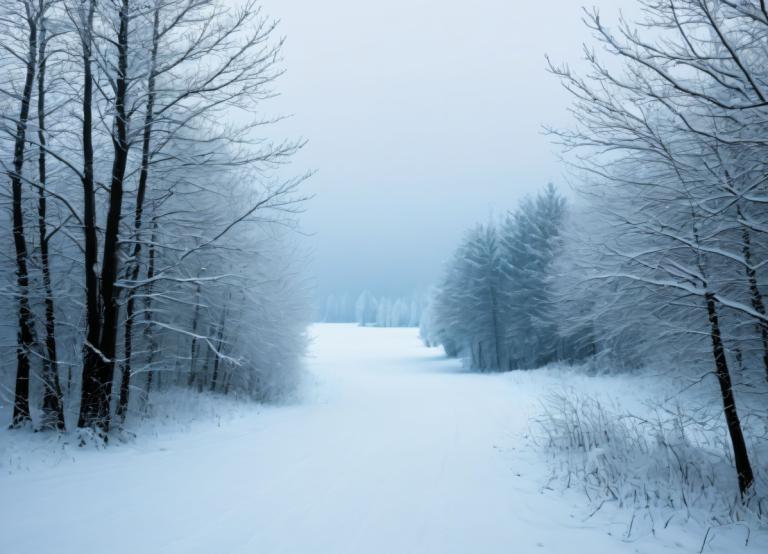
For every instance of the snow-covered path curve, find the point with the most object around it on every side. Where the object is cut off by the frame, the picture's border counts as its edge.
(395, 451)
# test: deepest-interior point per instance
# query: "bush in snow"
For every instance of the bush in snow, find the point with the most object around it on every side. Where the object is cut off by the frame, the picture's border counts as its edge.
(665, 463)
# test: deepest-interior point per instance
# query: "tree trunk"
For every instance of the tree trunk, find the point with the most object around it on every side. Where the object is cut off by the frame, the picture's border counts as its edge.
(219, 343)
(149, 334)
(125, 381)
(497, 342)
(100, 365)
(53, 405)
(91, 357)
(740, 454)
(25, 335)
(193, 348)
(227, 383)
(754, 289)
(203, 377)
(110, 261)
(141, 193)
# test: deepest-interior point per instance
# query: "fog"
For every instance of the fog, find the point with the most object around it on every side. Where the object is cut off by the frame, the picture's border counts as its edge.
(423, 117)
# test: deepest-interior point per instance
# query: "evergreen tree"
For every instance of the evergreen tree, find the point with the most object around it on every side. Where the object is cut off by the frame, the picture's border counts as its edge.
(528, 244)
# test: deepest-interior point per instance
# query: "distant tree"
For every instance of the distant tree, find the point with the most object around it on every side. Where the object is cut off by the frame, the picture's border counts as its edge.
(366, 308)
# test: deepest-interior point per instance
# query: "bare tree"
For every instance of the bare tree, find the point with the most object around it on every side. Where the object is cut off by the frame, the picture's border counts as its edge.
(153, 160)
(53, 404)
(662, 146)
(26, 336)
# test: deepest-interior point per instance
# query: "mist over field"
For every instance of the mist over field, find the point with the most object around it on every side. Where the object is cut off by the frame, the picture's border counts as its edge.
(423, 118)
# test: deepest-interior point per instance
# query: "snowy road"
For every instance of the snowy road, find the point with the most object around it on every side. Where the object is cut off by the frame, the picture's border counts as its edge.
(395, 451)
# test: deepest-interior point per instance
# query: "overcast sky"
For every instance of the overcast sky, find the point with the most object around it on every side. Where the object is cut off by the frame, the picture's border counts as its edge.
(423, 117)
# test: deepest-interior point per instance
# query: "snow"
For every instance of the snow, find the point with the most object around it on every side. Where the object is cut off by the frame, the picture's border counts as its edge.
(393, 450)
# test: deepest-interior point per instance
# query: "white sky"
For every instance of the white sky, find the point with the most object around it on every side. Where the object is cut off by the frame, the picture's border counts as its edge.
(423, 117)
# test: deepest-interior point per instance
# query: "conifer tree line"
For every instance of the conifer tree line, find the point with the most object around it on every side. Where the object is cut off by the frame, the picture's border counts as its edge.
(147, 218)
(494, 304)
(368, 310)
(662, 260)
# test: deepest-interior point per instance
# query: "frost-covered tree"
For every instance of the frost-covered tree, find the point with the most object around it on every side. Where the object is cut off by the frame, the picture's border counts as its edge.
(369, 310)
(149, 207)
(528, 242)
(366, 308)
(467, 310)
(495, 306)
(671, 152)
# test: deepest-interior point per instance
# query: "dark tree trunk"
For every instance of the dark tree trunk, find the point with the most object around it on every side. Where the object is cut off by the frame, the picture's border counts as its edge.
(53, 405)
(125, 381)
(141, 192)
(740, 454)
(110, 259)
(755, 294)
(219, 344)
(25, 334)
(203, 377)
(91, 358)
(215, 376)
(100, 366)
(193, 349)
(149, 334)
(227, 383)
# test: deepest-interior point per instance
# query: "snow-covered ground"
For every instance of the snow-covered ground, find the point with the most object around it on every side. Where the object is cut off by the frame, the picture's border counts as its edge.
(393, 450)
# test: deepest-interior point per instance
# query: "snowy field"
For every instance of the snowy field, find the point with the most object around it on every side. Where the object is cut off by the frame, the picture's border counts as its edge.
(392, 450)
